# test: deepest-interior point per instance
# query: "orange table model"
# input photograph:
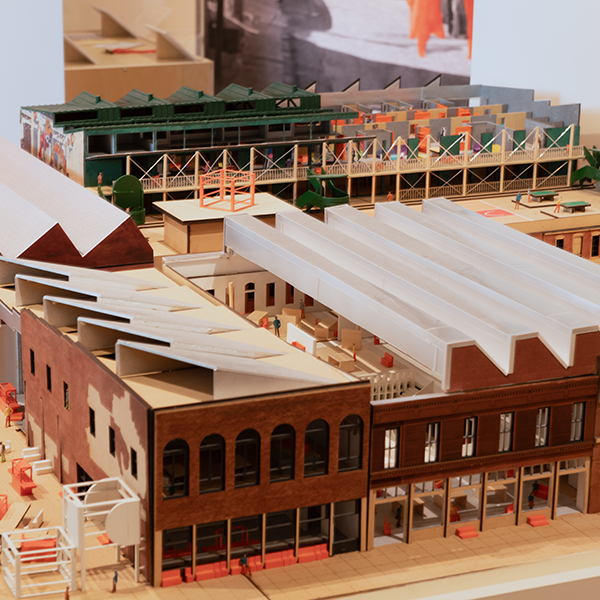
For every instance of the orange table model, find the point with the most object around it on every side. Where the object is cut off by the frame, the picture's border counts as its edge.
(8, 396)
(22, 476)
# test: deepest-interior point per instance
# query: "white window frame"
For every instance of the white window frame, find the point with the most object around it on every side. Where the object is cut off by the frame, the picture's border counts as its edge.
(468, 445)
(577, 420)
(542, 425)
(432, 440)
(390, 451)
(506, 432)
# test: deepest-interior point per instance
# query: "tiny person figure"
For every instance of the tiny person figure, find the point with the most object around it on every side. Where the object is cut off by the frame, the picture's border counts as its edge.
(558, 203)
(399, 516)
(100, 192)
(276, 326)
(67, 593)
(2, 452)
(7, 412)
(530, 498)
(244, 564)
(535, 487)
(529, 195)
(302, 307)
(518, 201)
(115, 580)
(390, 197)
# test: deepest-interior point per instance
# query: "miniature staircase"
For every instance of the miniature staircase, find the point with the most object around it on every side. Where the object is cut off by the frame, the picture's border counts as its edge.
(42, 467)
(31, 454)
(537, 521)
(466, 532)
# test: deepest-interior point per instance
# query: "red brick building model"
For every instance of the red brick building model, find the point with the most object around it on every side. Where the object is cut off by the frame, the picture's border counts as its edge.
(235, 441)
(500, 422)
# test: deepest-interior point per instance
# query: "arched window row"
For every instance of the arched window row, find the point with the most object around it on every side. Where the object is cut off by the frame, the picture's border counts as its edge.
(247, 457)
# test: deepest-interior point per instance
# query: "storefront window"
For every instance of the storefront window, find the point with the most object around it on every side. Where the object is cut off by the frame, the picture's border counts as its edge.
(572, 480)
(428, 504)
(465, 502)
(537, 491)
(314, 525)
(246, 536)
(177, 548)
(211, 542)
(500, 494)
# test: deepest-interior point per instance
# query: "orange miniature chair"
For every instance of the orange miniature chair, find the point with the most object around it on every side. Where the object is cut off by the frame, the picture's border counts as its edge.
(387, 527)
(510, 509)
(454, 516)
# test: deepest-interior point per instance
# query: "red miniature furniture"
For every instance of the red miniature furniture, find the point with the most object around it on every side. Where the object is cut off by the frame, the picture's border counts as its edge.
(8, 396)
(542, 491)
(387, 360)
(170, 578)
(3, 505)
(22, 476)
(36, 545)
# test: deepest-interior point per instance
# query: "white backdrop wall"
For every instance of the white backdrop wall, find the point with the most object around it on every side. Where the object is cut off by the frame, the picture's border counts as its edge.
(32, 65)
(548, 45)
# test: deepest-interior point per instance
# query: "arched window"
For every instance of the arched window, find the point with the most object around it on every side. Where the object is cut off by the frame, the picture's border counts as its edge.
(247, 458)
(175, 469)
(282, 453)
(316, 448)
(212, 464)
(350, 454)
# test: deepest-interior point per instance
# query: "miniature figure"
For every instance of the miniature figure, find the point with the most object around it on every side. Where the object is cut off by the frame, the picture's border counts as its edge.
(558, 203)
(528, 194)
(399, 516)
(100, 192)
(302, 307)
(7, 412)
(518, 201)
(115, 580)
(2, 452)
(390, 197)
(530, 498)
(67, 593)
(244, 564)
(276, 326)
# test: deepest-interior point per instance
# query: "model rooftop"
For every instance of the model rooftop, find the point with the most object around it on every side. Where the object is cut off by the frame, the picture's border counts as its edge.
(158, 336)
(434, 284)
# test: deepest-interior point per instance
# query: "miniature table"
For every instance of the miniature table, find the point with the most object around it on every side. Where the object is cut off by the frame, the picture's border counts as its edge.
(13, 516)
(459, 498)
(418, 506)
(543, 195)
(495, 488)
(575, 206)
(257, 316)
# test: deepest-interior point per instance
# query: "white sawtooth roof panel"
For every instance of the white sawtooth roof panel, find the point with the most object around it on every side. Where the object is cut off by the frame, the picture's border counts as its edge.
(86, 218)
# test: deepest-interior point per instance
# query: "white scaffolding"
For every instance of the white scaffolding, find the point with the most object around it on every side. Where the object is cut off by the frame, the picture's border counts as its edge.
(27, 558)
(111, 508)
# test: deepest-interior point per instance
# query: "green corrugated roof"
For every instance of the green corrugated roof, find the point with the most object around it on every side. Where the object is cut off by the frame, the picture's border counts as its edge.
(185, 95)
(238, 93)
(85, 100)
(283, 90)
(139, 98)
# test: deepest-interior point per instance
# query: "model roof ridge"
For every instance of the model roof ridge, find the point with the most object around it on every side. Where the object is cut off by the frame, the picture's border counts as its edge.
(492, 319)
(429, 339)
(60, 198)
(20, 215)
(193, 341)
(578, 272)
(216, 363)
(556, 324)
(541, 282)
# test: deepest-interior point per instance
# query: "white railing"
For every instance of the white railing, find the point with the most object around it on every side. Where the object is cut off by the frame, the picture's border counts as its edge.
(518, 185)
(483, 187)
(413, 164)
(553, 181)
(274, 174)
(445, 190)
(412, 194)
(447, 160)
(519, 156)
(486, 158)
(393, 384)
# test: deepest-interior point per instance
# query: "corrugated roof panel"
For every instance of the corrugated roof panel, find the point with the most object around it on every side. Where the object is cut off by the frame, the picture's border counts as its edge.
(237, 93)
(188, 95)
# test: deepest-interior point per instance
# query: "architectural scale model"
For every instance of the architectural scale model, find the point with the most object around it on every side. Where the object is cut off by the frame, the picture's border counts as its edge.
(450, 141)
(439, 378)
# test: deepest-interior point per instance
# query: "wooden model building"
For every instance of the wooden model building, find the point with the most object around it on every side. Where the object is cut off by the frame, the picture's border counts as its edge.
(415, 142)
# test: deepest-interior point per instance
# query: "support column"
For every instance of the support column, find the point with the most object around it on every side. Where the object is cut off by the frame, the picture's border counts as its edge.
(409, 513)
(502, 159)
(483, 496)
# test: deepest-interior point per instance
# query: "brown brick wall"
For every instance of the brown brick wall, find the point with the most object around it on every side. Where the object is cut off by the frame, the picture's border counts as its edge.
(65, 432)
(412, 416)
(229, 420)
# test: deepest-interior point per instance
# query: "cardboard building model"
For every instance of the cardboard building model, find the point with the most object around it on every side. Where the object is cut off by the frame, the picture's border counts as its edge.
(414, 142)
(472, 350)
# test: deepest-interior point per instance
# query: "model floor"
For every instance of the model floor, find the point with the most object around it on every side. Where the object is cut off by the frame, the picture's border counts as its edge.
(383, 568)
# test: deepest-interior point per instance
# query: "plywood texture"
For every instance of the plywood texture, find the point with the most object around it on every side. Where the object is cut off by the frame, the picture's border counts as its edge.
(176, 235)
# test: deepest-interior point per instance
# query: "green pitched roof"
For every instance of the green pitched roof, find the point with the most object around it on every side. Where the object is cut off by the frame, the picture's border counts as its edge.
(283, 90)
(186, 95)
(139, 98)
(239, 93)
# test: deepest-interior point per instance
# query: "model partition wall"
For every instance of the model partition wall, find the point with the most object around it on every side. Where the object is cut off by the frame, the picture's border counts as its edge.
(512, 494)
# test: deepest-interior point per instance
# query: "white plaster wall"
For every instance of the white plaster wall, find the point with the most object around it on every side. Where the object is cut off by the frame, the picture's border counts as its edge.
(32, 67)
(547, 45)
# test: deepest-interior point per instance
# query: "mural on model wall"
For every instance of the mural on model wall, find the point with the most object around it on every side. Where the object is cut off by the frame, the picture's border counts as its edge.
(42, 140)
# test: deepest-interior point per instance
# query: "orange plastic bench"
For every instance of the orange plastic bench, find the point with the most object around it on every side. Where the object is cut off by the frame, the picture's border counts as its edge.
(171, 578)
(33, 545)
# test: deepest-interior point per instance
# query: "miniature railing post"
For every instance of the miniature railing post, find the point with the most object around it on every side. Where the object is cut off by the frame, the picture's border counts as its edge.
(128, 165)
(503, 158)
(570, 154)
(536, 155)
(164, 175)
(196, 171)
